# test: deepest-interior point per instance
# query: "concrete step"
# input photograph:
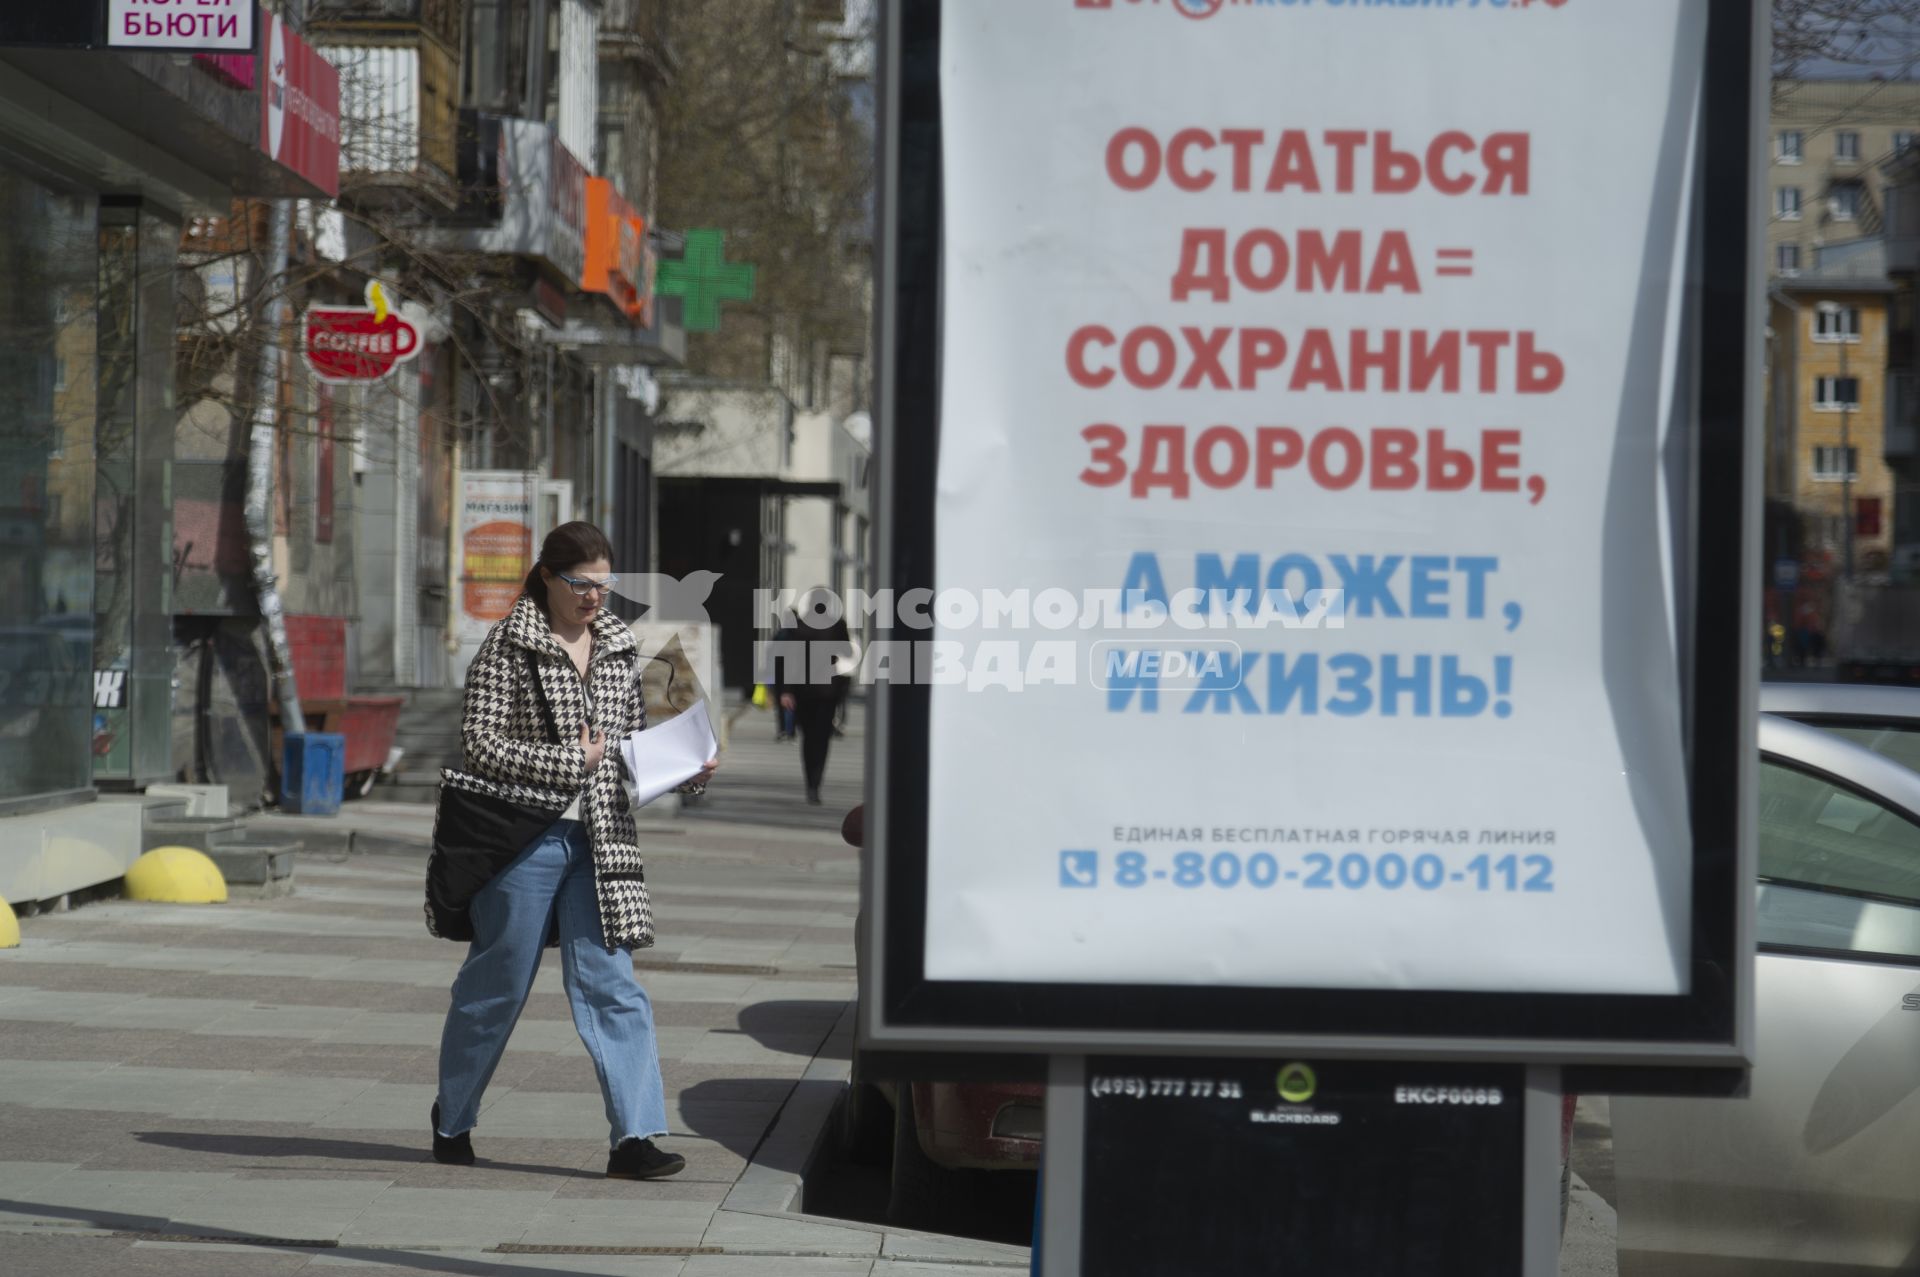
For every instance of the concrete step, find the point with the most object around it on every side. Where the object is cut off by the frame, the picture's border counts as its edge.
(254, 864)
(202, 833)
(153, 809)
(407, 792)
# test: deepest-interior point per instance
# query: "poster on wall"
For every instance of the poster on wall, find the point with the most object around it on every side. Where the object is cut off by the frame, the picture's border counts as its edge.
(1310, 523)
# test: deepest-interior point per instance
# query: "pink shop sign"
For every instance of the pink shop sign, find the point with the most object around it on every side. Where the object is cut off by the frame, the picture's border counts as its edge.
(235, 69)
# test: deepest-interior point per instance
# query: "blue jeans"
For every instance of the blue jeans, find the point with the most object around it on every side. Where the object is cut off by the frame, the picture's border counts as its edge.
(512, 917)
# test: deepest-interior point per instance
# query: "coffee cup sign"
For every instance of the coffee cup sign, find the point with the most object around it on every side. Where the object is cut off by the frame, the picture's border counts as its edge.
(358, 343)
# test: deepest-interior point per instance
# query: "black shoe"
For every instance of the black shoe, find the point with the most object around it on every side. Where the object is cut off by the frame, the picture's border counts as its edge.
(453, 1150)
(639, 1159)
(813, 795)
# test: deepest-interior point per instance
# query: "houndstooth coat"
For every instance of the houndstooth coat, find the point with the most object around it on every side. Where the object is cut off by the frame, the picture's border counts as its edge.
(511, 754)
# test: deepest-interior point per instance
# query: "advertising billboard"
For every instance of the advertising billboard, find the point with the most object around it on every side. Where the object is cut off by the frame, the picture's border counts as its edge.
(1333, 525)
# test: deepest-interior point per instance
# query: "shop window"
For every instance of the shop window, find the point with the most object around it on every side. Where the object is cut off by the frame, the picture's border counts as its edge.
(49, 259)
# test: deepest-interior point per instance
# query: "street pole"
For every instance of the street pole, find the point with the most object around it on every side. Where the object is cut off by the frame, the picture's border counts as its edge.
(260, 451)
(1846, 463)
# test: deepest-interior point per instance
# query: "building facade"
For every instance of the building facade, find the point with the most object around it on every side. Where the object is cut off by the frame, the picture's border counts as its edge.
(105, 156)
(1832, 332)
(1829, 142)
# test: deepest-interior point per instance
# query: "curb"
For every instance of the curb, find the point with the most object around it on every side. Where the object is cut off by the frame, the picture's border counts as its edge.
(767, 1191)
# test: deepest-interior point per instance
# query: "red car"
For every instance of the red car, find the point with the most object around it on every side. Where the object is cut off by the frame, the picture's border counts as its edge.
(945, 1130)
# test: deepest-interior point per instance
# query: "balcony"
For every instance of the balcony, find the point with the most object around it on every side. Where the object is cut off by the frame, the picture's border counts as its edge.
(399, 64)
(639, 30)
(399, 118)
(523, 194)
(393, 19)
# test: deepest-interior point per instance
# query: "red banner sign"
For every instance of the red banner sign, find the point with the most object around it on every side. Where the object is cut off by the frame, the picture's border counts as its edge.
(358, 343)
(300, 107)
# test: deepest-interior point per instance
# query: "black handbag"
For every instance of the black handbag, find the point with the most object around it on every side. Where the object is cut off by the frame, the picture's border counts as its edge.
(475, 836)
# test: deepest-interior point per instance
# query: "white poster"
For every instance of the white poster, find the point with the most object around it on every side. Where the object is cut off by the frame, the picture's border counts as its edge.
(1341, 344)
(496, 546)
(204, 26)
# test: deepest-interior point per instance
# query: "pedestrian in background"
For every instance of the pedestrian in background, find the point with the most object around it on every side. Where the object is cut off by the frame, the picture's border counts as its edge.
(814, 687)
(551, 686)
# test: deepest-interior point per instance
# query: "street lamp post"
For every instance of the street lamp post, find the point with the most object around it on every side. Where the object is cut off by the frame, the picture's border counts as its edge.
(1846, 466)
(1838, 314)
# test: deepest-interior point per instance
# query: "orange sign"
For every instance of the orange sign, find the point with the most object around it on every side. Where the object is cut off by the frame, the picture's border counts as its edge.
(618, 261)
(496, 556)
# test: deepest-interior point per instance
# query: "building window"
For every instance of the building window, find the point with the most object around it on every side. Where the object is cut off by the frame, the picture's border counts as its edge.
(1836, 323)
(1786, 259)
(1846, 146)
(1786, 203)
(50, 243)
(1902, 140)
(1788, 150)
(1866, 517)
(1827, 463)
(1846, 203)
(1830, 394)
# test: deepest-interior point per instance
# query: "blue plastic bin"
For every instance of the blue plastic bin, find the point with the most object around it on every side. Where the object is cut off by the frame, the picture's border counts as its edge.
(313, 773)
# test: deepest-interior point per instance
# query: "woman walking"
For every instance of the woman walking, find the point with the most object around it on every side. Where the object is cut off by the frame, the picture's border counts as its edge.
(551, 686)
(814, 693)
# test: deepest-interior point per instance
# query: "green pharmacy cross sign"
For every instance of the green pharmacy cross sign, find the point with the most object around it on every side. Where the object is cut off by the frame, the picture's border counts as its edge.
(705, 280)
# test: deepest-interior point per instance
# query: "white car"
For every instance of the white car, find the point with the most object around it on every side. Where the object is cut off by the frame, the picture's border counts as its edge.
(1817, 1171)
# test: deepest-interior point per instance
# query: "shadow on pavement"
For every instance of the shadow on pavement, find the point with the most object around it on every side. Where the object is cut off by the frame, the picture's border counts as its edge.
(713, 1110)
(795, 1028)
(413, 1260)
(336, 1150)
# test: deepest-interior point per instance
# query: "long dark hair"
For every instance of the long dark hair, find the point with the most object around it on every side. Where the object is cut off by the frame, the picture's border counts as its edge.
(566, 548)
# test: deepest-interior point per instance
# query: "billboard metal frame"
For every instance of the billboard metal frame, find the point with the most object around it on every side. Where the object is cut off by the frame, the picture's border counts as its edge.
(1709, 1026)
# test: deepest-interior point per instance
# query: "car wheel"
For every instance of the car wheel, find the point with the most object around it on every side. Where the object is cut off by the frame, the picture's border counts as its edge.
(923, 1194)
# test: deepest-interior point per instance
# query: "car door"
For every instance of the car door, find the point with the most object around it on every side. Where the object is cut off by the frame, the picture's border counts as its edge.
(1818, 1170)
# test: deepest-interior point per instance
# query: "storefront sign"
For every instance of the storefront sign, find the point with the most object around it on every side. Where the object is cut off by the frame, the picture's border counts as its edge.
(1318, 419)
(618, 260)
(236, 70)
(180, 26)
(300, 108)
(496, 546)
(705, 278)
(531, 189)
(358, 343)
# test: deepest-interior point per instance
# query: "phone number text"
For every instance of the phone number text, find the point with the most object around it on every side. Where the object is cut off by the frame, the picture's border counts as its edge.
(1314, 871)
(1141, 1088)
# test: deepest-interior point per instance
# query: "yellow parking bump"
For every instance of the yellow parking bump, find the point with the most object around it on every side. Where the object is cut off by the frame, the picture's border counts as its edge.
(176, 876)
(9, 927)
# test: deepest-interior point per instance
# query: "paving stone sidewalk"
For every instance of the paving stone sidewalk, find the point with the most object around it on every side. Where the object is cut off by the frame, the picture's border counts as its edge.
(243, 1088)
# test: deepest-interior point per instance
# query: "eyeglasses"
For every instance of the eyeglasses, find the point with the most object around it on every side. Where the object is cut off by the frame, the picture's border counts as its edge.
(583, 586)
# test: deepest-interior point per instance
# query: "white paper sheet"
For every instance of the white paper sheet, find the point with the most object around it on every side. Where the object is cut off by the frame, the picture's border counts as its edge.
(668, 755)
